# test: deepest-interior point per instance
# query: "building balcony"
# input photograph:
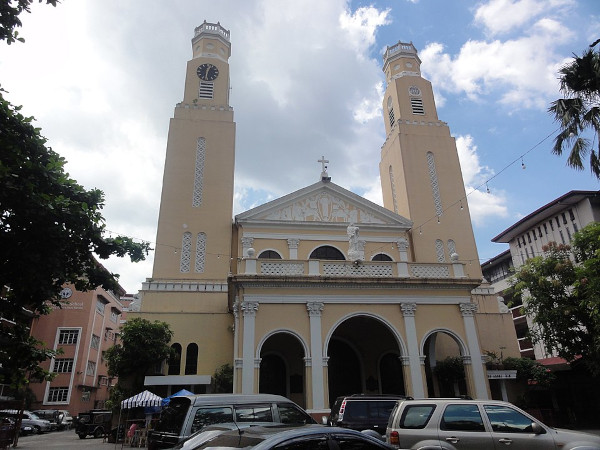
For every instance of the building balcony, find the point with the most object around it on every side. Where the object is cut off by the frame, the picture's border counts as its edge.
(345, 269)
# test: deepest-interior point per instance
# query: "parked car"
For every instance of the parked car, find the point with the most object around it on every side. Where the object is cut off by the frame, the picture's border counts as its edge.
(363, 412)
(455, 424)
(95, 422)
(54, 416)
(187, 414)
(67, 421)
(29, 419)
(282, 437)
(210, 431)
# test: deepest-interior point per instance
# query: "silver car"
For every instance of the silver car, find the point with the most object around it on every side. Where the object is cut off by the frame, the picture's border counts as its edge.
(29, 419)
(456, 424)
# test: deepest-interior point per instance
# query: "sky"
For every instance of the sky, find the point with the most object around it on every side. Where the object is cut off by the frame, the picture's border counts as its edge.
(102, 79)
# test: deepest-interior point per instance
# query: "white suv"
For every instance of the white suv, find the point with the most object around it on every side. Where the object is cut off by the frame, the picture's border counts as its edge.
(455, 424)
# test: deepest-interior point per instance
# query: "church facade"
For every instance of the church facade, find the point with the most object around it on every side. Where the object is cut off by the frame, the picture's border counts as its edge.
(321, 292)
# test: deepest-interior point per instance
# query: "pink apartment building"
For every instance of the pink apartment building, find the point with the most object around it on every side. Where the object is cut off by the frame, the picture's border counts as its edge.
(85, 326)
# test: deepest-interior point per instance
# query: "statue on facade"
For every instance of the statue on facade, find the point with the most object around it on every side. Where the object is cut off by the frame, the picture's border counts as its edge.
(356, 247)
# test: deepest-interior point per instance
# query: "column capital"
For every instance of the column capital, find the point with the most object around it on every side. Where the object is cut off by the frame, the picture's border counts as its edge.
(249, 308)
(315, 309)
(307, 362)
(402, 244)
(405, 360)
(247, 241)
(466, 359)
(467, 309)
(408, 309)
(238, 363)
(293, 243)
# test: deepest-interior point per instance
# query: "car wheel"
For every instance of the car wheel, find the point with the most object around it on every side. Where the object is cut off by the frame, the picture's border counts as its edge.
(81, 435)
(98, 433)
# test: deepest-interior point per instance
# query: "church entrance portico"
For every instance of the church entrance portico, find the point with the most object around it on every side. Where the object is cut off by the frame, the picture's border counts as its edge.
(363, 358)
(282, 367)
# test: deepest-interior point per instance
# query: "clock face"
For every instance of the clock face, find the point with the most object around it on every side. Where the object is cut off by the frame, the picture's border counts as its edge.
(207, 72)
(66, 293)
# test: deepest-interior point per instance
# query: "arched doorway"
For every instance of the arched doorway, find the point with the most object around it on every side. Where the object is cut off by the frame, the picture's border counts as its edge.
(444, 368)
(282, 367)
(363, 359)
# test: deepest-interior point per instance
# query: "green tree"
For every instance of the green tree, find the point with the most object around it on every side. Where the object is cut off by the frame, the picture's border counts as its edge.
(144, 345)
(51, 230)
(9, 17)
(579, 111)
(223, 379)
(561, 293)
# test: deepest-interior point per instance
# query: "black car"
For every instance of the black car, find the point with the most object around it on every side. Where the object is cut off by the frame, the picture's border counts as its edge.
(283, 437)
(95, 422)
(363, 412)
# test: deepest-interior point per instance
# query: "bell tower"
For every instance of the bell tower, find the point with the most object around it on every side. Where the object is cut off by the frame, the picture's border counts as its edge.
(188, 288)
(421, 178)
(194, 225)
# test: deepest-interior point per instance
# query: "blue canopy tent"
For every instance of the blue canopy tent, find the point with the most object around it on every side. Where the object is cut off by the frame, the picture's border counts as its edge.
(166, 400)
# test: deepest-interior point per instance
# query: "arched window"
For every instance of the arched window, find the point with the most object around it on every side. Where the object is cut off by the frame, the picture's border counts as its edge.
(381, 257)
(191, 359)
(269, 254)
(175, 360)
(327, 252)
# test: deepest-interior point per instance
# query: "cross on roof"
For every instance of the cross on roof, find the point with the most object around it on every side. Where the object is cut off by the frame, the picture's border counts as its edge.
(323, 161)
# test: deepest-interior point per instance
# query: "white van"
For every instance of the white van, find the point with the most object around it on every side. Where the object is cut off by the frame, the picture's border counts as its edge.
(187, 414)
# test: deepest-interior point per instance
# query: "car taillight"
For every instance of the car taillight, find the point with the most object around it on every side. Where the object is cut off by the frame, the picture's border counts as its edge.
(394, 438)
(342, 409)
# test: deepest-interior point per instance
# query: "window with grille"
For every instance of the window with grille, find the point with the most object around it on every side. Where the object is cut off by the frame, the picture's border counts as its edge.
(417, 105)
(58, 394)
(100, 306)
(63, 365)
(391, 116)
(114, 314)
(206, 89)
(95, 342)
(91, 368)
(68, 336)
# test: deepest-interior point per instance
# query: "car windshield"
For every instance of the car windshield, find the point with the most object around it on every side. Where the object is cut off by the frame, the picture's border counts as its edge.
(34, 416)
(172, 417)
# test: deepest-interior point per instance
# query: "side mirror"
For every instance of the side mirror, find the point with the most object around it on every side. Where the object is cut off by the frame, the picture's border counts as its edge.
(324, 420)
(536, 428)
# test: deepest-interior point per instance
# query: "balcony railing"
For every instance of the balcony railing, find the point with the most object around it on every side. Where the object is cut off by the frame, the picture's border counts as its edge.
(326, 268)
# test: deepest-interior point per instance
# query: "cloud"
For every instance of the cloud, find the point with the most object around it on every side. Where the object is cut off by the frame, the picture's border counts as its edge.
(483, 205)
(521, 71)
(503, 16)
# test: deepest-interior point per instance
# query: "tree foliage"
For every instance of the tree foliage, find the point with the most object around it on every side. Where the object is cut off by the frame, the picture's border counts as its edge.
(51, 229)
(9, 17)
(223, 379)
(143, 346)
(579, 111)
(561, 293)
(50, 226)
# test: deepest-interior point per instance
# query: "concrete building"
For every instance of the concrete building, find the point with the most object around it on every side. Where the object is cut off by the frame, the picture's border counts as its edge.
(556, 221)
(84, 327)
(320, 292)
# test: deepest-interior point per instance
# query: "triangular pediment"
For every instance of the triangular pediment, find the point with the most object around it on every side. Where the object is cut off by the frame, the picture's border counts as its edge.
(324, 202)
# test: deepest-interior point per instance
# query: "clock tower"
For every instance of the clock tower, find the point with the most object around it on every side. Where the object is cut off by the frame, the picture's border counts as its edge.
(421, 178)
(188, 288)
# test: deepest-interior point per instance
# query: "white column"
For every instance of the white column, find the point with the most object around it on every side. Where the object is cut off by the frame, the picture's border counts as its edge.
(416, 375)
(402, 245)
(315, 309)
(468, 311)
(293, 247)
(249, 310)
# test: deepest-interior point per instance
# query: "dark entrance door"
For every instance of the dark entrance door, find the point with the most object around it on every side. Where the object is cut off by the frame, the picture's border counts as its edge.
(344, 370)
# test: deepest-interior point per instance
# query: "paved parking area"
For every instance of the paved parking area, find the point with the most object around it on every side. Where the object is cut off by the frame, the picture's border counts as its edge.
(63, 440)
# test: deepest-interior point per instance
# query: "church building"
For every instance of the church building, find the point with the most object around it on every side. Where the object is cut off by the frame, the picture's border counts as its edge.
(321, 292)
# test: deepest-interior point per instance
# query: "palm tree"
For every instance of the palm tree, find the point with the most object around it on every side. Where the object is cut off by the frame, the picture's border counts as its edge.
(579, 110)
